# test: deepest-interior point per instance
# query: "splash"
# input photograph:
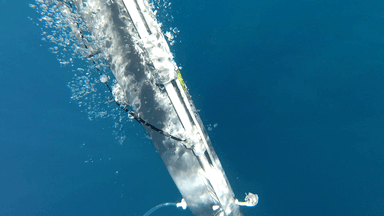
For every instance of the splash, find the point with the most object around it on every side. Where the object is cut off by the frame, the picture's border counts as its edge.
(163, 11)
(63, 26)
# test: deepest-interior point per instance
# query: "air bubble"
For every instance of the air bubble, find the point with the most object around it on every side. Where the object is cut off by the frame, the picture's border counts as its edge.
(130, 116)
(104, 78)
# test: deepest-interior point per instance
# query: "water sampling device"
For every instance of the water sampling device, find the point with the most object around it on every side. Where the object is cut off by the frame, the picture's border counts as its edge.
(150, 88)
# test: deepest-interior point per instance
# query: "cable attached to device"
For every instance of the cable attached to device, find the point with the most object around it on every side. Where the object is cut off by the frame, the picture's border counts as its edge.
(250, 200)
(181, 204)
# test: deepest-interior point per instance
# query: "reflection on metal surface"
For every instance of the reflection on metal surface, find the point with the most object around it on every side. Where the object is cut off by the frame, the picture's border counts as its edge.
(127, 36)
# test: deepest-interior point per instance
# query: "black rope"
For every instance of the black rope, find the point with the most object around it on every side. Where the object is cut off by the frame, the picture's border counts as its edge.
(130, 113)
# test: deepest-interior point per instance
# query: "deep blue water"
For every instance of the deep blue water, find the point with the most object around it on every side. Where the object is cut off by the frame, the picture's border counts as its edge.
(295, 87)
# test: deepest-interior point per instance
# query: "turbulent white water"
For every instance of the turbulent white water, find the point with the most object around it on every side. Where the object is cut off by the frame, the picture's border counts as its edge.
(88, 55)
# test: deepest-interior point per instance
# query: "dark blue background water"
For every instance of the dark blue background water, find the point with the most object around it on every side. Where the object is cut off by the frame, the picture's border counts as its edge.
(296, 88)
